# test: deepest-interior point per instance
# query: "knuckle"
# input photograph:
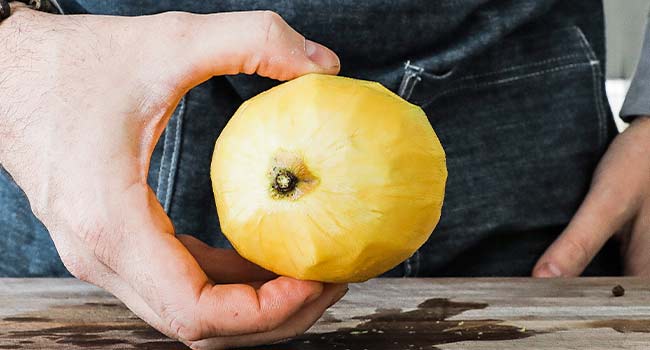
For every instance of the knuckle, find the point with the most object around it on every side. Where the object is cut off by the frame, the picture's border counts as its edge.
(183, 326)
(269, 31)
(262, 320)
(579, 252)
(272, 25)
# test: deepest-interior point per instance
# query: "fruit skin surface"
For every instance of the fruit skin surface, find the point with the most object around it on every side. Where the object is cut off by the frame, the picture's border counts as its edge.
(369, 175)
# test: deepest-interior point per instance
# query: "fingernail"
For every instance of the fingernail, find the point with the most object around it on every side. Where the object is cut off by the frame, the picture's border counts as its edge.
(548, 270)
(321, 55)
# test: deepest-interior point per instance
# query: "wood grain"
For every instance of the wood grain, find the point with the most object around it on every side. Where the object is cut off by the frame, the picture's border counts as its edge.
(511, 313)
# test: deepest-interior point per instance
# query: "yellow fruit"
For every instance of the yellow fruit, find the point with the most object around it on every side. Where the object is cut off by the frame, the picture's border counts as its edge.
(328, 178)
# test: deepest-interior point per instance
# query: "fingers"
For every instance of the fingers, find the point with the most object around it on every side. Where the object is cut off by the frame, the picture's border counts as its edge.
(244, 310)
(81, 263)
(164, 299)
(597, 220)
(637, 259)
(611, 202)
(166, 276)
(259, 42)
(224, 265)
(297, 325)
(123, 291)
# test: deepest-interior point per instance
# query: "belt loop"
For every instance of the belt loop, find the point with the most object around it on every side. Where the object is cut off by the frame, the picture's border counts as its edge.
(409, 80)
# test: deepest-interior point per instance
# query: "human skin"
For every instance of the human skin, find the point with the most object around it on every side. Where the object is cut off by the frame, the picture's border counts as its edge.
(84, 101)
(617, 205)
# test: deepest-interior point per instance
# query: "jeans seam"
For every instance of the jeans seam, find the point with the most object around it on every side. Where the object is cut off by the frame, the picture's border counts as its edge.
(503, 81)
(171, 177)
(513, 68)
(169, 157)
(600, 108)
(596, 74)
(161, 169)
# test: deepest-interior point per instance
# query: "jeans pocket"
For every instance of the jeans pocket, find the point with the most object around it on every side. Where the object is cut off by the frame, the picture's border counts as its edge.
(523, 126)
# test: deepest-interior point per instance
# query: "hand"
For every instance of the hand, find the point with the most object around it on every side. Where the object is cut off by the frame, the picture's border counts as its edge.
(84, 100)
(618, 201)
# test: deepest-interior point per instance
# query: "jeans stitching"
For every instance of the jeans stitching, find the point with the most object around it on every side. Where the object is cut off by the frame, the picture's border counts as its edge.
(584, 43)
(600, 108)
(596, 74)
(510, 69)
(161, 169)
(175, 155)
(503, 81)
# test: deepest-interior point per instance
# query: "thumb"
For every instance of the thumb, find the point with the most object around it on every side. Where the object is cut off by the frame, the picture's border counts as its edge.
(256, 42)
(597, 219)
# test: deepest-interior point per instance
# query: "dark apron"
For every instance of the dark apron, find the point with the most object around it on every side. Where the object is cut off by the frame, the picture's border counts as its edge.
(514, 90)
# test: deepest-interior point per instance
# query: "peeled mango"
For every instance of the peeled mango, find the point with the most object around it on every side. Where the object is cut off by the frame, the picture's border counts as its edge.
(328, 178)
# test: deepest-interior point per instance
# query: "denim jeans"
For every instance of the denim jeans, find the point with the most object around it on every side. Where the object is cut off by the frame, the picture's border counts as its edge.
(514, 90)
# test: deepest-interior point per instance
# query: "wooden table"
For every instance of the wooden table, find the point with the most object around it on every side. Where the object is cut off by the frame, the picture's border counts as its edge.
(411, 314)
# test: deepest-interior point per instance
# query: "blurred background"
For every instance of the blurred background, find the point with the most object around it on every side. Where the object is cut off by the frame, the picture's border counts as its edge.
(626, 20)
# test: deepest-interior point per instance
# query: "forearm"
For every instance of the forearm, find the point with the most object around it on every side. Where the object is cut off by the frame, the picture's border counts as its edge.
(20, 44)
(12, 60)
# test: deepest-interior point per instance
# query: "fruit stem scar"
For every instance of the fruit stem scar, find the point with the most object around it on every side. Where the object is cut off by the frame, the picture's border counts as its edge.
(285, 181)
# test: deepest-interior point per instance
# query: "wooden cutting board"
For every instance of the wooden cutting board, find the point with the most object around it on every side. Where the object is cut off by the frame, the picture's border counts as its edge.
(412, 314)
